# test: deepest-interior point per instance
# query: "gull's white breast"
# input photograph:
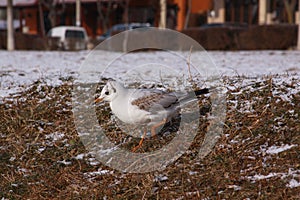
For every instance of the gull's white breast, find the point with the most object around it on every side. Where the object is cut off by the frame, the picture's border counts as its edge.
(128, 113)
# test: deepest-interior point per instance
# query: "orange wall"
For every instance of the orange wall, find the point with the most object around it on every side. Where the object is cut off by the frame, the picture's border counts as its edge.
(181, 13)
(31, 21)
(201, 5)
(198, 6)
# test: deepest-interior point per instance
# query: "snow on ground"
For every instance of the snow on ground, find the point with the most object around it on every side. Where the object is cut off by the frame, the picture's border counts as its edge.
(253, 63)
(291, 173)
(20, 68)
(276, 149)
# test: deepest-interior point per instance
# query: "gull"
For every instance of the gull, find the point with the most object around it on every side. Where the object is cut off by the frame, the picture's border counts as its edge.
(150, 107)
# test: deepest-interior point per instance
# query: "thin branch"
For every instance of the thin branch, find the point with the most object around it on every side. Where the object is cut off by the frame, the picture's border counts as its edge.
(189, 64)
(194, 85)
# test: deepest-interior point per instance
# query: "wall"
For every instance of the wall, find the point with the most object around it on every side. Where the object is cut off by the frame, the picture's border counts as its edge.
(252, 38)
(31, 20)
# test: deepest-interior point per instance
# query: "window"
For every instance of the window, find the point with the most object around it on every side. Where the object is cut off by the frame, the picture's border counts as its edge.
(74, 34)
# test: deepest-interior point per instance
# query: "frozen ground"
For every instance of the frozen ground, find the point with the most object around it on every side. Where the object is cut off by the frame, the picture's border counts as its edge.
(20, 68)
(259, 146)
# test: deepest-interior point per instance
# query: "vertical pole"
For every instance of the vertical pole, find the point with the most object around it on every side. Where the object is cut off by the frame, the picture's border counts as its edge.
(41, 16)
(126, 20)
(298, 44)
(10, 26)
(262, 12)
(188, 13)
(126, 12)
(78, 17)
(163, 14)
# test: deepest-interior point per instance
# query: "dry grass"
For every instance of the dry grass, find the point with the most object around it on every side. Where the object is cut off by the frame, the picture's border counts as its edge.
(39, 145)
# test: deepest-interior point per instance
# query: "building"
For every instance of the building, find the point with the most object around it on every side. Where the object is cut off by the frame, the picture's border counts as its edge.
(255, 11)
(38, 16)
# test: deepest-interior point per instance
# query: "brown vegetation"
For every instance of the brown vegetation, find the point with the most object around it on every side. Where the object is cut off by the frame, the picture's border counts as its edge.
(40, 150)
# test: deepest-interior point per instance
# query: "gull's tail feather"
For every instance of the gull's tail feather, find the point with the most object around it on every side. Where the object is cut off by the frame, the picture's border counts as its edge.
(192, 95)
(202, 91)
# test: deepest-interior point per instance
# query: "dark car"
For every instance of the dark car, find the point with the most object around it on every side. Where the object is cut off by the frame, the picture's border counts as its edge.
(225, 25)
(122, 27)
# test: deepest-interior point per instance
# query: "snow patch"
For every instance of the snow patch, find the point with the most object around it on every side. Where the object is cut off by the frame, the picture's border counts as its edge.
(279, 149)
(289, 176)
(55, 136)
(64, 162)
(293, 183)
(99, 172)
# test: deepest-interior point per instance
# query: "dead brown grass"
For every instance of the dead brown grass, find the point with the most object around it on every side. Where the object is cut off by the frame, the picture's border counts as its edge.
(33, 165)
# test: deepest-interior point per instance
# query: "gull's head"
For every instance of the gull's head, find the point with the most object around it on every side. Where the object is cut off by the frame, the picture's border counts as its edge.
(110, 91)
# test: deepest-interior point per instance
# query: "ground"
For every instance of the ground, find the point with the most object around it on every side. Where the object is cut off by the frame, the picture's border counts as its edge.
(257, 156)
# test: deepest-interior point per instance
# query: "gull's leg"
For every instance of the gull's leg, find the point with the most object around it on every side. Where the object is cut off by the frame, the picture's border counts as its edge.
(153, 133)
(141, 142)
(155, 126)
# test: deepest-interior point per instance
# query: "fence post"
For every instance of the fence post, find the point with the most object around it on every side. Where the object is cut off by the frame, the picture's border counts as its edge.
(298, 43)
(10, 26)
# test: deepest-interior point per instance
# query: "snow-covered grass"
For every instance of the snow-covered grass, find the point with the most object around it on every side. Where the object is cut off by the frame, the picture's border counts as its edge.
(21, 68)
(257, 157)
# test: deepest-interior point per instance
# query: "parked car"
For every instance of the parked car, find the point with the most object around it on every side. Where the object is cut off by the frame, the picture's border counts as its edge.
(122, 27)
(225, 25)
(70, 37)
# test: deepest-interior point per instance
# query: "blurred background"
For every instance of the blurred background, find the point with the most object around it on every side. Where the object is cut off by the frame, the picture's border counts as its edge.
(215, 24)
(41, 152)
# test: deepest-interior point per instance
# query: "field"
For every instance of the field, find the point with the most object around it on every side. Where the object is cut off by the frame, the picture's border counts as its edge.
(256, 157)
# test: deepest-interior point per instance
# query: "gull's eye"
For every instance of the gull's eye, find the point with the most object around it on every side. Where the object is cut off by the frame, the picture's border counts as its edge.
(106, 93)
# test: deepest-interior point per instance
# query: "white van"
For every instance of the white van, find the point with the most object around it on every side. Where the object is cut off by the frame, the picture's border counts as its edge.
(71, 37)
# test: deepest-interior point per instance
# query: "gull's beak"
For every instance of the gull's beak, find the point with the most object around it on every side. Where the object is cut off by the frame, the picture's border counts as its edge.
(98, 100)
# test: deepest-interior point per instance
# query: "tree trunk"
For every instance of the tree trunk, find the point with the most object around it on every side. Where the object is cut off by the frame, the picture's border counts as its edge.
(78, 16)
(289, 7)
(163, 14)
(41, 16)
(101, 16)
(262, 12)
(104, 17)
(126, 18)
(10, 26)
(188, 13)
(51, 6)
(298, 46)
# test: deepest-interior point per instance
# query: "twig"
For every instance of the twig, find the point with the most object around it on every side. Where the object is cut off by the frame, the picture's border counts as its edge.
(194, 85)
(144, 195)
(189, 64)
